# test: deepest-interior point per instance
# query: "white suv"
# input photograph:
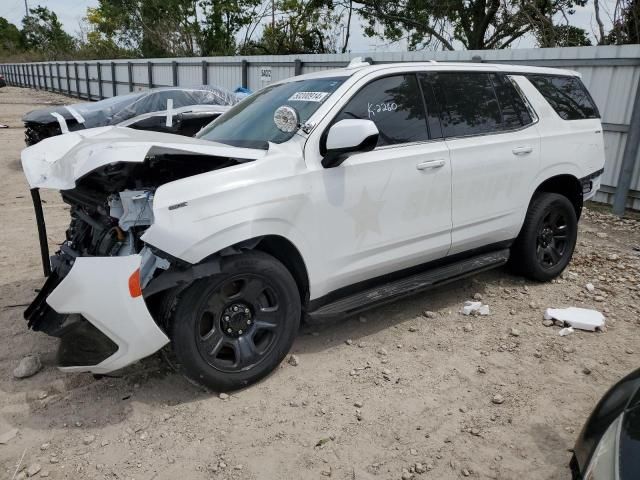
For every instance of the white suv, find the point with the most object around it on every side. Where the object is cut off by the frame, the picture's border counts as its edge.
(317, 196)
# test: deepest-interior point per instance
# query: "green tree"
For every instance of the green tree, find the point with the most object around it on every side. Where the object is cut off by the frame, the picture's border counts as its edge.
(151, 28)
(541, 15)
(221, 22)
(93, 44)
(626, 29)
(42, 32)
(10, 36)
(301, 26)
(163, 28)
(570, 36)
(475, 24)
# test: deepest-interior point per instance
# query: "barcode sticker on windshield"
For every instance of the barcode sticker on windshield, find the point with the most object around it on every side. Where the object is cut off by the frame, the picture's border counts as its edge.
(308, 96)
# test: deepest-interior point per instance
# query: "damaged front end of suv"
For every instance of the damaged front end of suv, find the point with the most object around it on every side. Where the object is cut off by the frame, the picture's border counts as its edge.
(93, 297)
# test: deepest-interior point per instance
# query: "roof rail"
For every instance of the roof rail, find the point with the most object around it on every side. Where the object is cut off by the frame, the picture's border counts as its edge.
(357, 62)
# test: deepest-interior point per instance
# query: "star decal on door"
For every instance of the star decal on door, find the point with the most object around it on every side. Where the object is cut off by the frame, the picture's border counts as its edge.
(365, 215)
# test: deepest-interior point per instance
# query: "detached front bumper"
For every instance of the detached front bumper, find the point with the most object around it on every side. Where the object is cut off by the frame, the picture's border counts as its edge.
(101, 317)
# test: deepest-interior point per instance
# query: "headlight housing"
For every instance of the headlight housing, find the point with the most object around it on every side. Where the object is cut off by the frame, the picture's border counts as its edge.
(604, 463)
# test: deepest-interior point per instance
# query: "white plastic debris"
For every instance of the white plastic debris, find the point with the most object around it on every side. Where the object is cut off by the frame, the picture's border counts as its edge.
(581, 318)
(566, 331)
(471, 307)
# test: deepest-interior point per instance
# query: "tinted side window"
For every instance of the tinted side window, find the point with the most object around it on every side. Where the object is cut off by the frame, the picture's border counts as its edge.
(512, 107)
(468, 102)
(395, 105)
(567, 95)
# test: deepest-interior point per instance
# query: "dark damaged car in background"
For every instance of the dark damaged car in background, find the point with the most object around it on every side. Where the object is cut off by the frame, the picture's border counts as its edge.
(182, 111)
(608, 447)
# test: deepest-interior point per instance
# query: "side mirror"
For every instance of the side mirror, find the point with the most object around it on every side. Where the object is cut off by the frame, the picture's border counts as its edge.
(348, 136)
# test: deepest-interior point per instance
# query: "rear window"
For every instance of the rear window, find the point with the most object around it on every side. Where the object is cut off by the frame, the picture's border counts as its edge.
(514, 111)
(567, 95)
(473, 103)
(468, 104)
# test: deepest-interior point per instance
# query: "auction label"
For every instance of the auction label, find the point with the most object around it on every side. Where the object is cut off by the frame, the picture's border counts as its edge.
(308, 96)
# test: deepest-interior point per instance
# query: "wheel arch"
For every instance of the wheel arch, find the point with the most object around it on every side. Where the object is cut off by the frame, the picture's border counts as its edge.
(283, 250)
(278, 246)
(566, 185)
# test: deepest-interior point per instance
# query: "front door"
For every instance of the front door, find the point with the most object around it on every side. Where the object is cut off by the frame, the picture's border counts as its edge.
(390, 208)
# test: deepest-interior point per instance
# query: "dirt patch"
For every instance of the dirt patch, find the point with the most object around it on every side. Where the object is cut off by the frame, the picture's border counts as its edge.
(371, 396)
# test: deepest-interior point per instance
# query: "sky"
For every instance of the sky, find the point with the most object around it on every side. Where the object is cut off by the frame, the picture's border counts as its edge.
(71, 12)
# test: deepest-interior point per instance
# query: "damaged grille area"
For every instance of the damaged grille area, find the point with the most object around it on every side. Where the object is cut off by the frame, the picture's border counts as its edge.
(113, 206)
(110, 209)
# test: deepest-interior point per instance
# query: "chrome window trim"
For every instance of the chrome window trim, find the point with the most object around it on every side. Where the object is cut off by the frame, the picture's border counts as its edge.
(409, 144)
(500, 132)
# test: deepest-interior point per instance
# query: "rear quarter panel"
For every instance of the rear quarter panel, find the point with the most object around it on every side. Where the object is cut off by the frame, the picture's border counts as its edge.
(573, 147)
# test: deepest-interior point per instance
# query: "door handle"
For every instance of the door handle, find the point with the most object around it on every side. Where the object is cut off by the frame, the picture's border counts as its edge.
(437, 163)
(522, 150)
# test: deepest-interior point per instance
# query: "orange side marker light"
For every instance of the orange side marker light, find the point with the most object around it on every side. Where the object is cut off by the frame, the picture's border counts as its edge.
(135, 289)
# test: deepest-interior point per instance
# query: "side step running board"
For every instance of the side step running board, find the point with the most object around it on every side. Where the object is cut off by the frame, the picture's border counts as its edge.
(412, 284)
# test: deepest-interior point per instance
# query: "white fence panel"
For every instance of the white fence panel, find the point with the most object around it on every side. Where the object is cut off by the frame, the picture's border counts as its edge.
(611, 73)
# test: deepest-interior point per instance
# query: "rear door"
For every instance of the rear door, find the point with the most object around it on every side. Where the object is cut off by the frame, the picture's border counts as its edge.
(495, 154)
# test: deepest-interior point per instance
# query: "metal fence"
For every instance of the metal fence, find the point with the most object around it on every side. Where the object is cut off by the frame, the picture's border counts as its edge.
(612, 74)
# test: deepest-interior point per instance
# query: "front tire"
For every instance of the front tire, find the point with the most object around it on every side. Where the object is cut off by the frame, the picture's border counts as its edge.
(232, 329)
(548, 237)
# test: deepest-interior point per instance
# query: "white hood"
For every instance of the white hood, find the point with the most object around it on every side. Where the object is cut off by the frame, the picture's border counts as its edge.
(57, 162)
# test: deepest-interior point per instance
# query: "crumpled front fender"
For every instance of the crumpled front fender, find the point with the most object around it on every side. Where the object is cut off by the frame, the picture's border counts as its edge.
(58, 162)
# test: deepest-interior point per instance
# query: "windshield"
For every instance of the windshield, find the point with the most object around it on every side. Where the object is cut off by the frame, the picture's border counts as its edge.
(250, 123)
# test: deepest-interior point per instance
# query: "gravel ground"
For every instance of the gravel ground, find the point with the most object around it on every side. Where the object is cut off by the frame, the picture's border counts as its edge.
(404, 391)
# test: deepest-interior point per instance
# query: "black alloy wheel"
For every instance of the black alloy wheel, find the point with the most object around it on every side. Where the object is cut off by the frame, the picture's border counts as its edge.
(547, 239)
(239, 323)
(233, 328)
(552, 238)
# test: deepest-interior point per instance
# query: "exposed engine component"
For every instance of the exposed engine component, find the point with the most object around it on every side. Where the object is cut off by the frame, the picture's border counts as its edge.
(113, 206)
(95, 232)
(132, 208)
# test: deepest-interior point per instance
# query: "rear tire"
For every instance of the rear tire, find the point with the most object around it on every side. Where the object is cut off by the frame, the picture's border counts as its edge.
(548, 237)
(232, 329)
